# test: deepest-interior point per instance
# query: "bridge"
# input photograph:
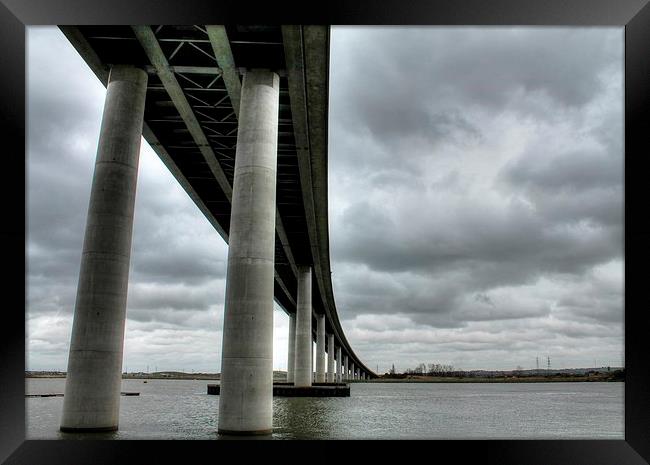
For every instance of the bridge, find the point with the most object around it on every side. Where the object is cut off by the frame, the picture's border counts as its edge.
(238, 114)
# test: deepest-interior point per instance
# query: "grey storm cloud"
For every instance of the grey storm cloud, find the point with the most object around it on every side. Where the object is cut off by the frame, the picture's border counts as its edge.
(475, 189)
(571, 172)
(172, 298)
(499, 211)
(470, 236)
(469, 66)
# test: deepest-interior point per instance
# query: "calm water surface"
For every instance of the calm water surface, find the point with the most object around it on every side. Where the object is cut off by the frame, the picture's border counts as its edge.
(181, 409)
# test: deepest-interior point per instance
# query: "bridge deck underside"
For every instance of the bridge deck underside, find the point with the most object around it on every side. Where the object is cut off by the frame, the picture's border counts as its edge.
(200, 81)
(189, 52)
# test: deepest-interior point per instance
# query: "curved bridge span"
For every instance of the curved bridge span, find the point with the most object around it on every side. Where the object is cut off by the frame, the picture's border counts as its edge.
(238, 114)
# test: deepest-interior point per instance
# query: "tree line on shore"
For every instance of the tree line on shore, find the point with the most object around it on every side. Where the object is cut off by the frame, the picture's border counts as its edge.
(439, 370)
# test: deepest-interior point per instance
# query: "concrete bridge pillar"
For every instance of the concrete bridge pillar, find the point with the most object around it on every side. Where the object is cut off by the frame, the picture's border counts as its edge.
(339, 365)
(330, 358)
(92, 389)
(351, 370)
(346, 368)
(302, 370)
(246, 398)
(291, 353)
(320, 348)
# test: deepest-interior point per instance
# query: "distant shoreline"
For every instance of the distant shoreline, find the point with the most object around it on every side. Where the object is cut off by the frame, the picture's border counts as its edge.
(550, 379)
(206, 376)
(558, 379)
(146, 376)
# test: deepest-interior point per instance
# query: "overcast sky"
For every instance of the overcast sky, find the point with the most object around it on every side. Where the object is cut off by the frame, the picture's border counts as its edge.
(476, 205)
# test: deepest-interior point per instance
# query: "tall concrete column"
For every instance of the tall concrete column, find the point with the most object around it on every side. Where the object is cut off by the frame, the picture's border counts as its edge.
(320, 348)
(92, 389)
(246, 398)
(303, 370)
(330, 358)
(291, 359)
(339, 365)
(351, 370)
(313, 362)
(346, 368)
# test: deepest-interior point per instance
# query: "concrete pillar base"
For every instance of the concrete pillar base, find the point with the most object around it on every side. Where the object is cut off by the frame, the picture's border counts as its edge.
(229, 432)
(107, 429)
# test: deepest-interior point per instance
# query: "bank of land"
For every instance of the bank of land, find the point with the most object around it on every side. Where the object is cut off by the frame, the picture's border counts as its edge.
(277, 375)
(523, 376)
(467, 377)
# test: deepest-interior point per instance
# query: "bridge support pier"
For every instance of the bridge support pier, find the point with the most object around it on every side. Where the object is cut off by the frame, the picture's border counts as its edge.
(246, 397)
(320, 348)
(92, 389)
(291, 353)
(346, 368)
(339, 365)
(303, 372)
(351, 370)
(330, 358)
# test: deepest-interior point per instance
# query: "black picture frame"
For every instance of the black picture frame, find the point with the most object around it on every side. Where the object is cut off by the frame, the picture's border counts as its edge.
(634, 15)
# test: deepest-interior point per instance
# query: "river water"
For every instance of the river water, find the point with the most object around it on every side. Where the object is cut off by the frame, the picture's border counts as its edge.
(181, 409)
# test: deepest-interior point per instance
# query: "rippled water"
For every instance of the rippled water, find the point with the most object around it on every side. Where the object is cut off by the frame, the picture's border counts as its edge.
(181, 409)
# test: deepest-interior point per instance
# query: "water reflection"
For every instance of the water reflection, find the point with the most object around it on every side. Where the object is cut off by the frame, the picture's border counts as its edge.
(304, 417)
